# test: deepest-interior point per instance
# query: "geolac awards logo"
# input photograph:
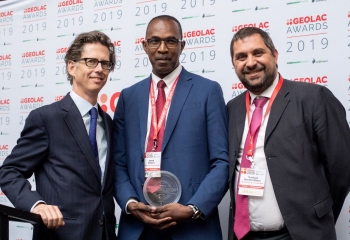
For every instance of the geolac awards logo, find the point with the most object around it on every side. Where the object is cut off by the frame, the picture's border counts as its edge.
(307, 24)
(264, 25)
(109, 104)
(5, 105)
(4, 151)
(5, 60)
(321, 80)
(35, 12)
(31, 103)
(6, 17)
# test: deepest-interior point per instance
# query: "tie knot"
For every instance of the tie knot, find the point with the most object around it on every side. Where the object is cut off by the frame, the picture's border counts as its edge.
(260, 102)
(161, 84)
(93, 113)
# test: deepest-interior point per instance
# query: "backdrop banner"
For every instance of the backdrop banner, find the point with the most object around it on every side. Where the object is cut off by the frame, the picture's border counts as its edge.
(312, 36)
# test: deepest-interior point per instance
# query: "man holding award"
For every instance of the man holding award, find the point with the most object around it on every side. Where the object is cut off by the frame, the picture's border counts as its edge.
(170, 146)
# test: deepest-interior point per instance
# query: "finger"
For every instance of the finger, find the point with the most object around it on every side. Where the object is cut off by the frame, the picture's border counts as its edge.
(147, 208)
(43, 217)
(46, 216)
(154, 215)
(51, 216)
(164, 226)
(59, 215)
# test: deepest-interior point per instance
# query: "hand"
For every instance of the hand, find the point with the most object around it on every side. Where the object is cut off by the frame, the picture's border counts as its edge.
(51, 215)
(144, 212)
(176, 211)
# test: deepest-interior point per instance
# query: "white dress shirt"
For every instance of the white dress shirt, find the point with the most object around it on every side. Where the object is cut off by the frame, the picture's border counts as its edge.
(264, 212)
(84, 107)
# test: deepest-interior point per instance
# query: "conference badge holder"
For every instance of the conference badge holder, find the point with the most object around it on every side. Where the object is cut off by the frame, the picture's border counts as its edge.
(252, 182)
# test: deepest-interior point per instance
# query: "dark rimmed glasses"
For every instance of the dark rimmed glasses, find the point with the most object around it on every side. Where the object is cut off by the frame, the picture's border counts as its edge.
(155, 42)
(93, 62)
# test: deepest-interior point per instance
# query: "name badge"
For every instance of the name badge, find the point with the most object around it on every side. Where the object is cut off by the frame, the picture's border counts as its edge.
(152, 164)
(252, 182)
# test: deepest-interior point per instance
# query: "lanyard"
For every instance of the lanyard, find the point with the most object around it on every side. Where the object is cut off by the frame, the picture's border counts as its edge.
(247, 104)
(157, 127)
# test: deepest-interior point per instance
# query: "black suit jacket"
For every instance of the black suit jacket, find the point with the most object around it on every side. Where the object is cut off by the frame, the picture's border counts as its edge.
(307, 152)
(54, 145)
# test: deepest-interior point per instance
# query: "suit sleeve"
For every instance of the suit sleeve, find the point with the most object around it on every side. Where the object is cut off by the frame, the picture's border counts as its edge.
(24, 160)
(333, 137)
(123, 190)
(215, 184)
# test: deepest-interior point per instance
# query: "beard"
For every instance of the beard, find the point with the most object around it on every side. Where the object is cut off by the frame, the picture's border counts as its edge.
(259, 84)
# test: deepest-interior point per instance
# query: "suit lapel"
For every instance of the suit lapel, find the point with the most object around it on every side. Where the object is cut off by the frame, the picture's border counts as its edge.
(143, 101)
(182, 90)
(277, 109)
(240, 116)
(76, 126)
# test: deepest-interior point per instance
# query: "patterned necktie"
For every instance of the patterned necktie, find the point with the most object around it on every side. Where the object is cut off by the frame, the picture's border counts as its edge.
(242, 223)
(92, 137)
(159, 107)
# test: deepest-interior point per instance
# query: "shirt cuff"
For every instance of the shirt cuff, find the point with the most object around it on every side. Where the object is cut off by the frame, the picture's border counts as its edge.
(40, 201)
(129, 201)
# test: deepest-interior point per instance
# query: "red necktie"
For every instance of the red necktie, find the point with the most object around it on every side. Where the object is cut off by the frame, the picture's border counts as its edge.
(159, 107)
(242, 222)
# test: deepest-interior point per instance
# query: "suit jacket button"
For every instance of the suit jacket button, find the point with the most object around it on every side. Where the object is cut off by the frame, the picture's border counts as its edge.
(100, 222)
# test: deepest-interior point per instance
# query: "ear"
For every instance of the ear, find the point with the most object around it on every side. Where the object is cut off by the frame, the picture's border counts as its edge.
(233, 62)
(71, 68)
(276, 55)
(144, 45)
(183, 43)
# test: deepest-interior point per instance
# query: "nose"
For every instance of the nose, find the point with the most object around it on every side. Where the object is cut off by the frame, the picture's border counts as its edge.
(251, 61)
(99, 68)
(162, 47)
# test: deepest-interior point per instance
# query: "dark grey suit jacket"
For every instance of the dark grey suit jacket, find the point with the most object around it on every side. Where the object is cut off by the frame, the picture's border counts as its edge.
(307, 148)
(54, 145)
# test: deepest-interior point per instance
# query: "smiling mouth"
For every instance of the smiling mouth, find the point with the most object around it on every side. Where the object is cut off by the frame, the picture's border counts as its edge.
(98, 78)
(253, 71)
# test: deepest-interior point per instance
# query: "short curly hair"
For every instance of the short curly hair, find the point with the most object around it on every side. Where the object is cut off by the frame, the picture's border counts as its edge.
(77, 47)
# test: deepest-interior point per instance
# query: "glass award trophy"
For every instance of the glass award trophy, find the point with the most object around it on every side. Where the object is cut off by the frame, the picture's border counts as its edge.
(162, 190)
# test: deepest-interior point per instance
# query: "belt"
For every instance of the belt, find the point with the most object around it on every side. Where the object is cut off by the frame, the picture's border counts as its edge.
(269, 234)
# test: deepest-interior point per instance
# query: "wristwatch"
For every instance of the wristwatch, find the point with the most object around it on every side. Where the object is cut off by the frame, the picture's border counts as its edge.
(196, 212)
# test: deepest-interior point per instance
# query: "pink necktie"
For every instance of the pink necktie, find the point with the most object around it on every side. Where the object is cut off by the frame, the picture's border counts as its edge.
(242, 223)
(159, 107)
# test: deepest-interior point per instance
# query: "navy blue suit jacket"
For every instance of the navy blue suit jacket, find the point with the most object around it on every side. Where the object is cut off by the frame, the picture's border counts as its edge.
(194, 149)
(54, 145)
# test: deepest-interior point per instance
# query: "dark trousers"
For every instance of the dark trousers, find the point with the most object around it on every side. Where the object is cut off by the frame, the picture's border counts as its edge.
(282, 234)
(150, 233)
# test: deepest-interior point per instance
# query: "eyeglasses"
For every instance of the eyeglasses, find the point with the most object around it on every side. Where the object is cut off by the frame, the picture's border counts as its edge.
(93, 62)
(169, 42)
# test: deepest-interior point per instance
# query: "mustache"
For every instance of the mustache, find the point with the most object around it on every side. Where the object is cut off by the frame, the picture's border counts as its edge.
(254, 69)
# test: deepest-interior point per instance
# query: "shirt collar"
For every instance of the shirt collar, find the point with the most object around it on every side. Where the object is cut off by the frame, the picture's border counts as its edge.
(82, 105)
(168, 79)
(267, 93)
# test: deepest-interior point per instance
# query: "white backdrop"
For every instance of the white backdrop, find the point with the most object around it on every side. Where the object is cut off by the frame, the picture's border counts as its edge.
(312, 37)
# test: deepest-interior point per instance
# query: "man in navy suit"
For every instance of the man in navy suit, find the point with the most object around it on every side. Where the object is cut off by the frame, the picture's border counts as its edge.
(193, 144)
(302, 146)
(74, 183)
